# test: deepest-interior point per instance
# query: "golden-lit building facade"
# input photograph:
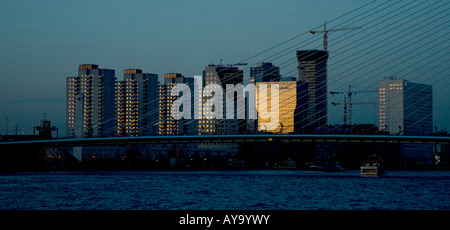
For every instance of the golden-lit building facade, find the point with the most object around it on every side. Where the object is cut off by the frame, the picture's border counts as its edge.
(287, 103)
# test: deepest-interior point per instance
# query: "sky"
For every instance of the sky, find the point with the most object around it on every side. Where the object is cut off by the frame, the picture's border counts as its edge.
(43, 42)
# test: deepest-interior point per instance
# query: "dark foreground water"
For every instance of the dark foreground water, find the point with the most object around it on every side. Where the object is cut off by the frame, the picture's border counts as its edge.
(225, 190)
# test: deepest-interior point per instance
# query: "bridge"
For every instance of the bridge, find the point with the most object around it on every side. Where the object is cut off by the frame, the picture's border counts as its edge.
(281, 138)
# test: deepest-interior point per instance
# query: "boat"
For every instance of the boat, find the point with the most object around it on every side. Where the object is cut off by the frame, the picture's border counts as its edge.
(326, 162)
(372, 170)
(333, 168)
(237, 164)
(373, 167)
(287, 164)
(315, 168)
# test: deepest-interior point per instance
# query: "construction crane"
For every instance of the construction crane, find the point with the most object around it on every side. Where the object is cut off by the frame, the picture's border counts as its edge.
(325, 32)
(345, 107)
(348, 103)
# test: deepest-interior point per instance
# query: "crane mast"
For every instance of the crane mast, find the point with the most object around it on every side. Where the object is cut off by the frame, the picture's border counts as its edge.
(348, 102)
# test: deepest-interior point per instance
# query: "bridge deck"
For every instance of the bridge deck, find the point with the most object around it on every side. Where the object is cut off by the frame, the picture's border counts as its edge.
(286, 138)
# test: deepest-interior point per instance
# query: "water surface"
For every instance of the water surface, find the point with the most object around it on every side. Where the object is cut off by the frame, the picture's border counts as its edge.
(225, 190)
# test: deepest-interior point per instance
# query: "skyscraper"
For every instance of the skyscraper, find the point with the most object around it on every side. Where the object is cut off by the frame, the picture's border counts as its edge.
(312, 65)
(137, 103)
(215, 120)
(222, 75)
(90, 102)
(405, 107)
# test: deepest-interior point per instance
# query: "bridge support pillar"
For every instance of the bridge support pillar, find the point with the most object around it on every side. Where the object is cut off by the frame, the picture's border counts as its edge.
(78, 153)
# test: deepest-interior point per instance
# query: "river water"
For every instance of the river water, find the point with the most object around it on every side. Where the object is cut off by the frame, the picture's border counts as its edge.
(225, 190)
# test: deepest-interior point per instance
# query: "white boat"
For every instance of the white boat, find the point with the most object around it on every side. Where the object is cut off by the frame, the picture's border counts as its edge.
(372, 168)
(334, 168)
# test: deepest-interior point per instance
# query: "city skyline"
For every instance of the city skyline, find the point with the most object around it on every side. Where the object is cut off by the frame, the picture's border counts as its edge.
(41, 51)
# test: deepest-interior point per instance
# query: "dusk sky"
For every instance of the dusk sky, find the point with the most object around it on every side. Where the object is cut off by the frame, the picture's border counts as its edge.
(43, 42)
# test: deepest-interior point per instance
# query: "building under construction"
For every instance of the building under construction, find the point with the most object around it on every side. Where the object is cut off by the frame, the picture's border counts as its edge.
(312, 66)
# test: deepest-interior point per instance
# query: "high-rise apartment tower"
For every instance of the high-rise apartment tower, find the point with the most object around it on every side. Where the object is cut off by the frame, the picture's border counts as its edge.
(90, 102)
(137, 103)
